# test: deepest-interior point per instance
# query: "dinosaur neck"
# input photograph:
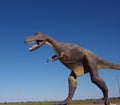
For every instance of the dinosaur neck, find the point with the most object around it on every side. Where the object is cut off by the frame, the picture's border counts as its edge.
(53, 43)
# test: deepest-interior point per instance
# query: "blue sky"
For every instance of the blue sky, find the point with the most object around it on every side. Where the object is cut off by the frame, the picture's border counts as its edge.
(26, 76)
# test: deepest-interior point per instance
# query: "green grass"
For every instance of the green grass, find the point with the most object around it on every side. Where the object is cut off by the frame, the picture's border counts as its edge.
(81, 102)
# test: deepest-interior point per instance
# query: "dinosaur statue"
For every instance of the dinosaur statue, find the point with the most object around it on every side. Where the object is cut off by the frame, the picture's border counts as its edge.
(79, 60)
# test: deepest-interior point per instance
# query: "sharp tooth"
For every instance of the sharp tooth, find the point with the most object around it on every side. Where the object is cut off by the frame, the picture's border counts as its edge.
(29, 48)
(33, 47)
(33, 42)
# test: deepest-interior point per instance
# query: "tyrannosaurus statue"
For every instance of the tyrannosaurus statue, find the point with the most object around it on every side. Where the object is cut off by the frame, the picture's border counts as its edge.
(79, 60)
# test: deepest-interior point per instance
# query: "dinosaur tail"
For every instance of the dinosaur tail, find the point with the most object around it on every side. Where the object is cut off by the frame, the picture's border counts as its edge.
(105, 64)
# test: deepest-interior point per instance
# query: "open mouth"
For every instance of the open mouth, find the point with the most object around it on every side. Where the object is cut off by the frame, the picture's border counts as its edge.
(36, 44)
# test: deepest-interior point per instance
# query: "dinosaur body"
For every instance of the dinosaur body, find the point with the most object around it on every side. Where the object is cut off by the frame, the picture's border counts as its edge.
(79, 60)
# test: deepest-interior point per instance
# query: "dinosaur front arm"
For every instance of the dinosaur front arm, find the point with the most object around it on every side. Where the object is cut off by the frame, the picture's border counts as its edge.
(55, 57)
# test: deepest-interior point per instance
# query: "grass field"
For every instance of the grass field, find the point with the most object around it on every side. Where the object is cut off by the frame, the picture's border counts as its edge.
(82, 102)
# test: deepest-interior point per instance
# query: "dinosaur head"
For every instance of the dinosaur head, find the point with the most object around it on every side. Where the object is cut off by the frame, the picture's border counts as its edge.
(38, 38)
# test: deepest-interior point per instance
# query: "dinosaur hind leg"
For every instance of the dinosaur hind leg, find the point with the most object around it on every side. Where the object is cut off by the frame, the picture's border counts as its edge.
(72, 82)
(72, 86)
(90, 66)
(101, 84)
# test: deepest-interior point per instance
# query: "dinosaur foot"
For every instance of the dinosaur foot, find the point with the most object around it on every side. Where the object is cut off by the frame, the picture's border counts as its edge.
(61, 103)
(106, 102)
(65, 102)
